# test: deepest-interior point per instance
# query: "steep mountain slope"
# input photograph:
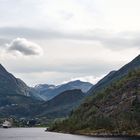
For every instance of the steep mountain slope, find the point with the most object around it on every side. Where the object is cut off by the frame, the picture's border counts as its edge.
(13, 93)
(48, 92)
(116, 75)
(115, 110)
(62, 104)
(17, 106)
(11, 85)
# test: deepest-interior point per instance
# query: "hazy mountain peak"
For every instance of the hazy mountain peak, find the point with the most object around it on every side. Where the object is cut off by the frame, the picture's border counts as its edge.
(48, 92)
(47, 86)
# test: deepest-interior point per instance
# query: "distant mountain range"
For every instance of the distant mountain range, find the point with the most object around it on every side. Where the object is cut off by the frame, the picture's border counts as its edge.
(47, 92)
(19, 100)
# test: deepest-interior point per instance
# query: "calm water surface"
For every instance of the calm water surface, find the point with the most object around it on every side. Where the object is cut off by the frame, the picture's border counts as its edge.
(40, 134)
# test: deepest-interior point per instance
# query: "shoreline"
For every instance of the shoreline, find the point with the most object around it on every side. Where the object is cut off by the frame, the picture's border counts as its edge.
(89, 134)
(100, 135)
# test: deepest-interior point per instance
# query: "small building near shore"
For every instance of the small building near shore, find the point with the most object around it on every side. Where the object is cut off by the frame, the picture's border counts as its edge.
(6, 124)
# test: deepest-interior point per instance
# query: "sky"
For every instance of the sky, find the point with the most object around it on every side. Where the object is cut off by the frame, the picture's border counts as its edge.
(52, 42)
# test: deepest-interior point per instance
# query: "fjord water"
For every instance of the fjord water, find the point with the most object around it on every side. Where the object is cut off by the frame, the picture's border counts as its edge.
(40, 134)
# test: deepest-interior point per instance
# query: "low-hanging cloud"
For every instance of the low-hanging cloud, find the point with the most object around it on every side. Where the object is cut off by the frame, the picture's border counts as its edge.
(24, 47)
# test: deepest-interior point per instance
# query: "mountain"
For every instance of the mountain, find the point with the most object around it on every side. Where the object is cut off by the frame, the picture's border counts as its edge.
(47, 92)
(58, 107)
(11, 85)
(113, 111)
(18, 100)
(13, 91)
(62, 104)
(116, 75)
(14, 95)
(17, 106)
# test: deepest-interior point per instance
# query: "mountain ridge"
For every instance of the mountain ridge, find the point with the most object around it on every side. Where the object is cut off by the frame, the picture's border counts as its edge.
(48, 92)
(15, 85)
(62, 104)
(113, 111)
(116, 75)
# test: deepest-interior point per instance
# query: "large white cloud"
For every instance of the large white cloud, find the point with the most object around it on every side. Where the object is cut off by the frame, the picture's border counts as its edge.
(24, 47)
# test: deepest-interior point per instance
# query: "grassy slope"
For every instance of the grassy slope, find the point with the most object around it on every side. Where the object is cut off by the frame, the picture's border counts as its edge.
(62, 104)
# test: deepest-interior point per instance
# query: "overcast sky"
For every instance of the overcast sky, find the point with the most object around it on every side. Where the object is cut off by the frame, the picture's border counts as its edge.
(54, 41)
